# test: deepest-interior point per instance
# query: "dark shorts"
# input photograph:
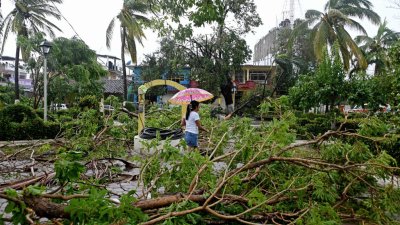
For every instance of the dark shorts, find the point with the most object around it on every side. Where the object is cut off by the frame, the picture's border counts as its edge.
(191, 139)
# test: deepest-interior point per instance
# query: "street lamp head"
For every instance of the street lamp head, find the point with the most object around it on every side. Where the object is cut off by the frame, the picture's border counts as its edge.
(45, 47)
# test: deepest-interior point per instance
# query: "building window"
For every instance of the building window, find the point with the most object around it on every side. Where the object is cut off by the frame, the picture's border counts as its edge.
(258, 76)
(177, 77)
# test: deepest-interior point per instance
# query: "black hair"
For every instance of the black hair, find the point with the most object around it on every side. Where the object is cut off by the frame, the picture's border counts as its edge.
(192, 106)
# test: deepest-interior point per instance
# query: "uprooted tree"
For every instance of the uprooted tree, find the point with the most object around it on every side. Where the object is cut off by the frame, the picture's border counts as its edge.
(249, 175)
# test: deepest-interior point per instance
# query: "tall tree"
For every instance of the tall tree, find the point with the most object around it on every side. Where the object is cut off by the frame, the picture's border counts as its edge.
(326, 86)
(245, 15)
(332, 24)
(212, 54)
(376, 48)
(74, 69)
(28, 18)
(131, 18)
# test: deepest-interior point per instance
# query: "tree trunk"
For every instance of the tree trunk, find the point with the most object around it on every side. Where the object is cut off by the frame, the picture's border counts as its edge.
(378, 68)
(16, 73)
(123, 37)
(46, 208)
(43, 207)
(332, 104)
(226, 84)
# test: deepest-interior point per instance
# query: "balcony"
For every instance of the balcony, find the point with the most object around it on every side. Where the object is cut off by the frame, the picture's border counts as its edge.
(247, 86)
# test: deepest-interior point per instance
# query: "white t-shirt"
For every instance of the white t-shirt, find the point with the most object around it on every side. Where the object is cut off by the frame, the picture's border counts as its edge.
(191, 125)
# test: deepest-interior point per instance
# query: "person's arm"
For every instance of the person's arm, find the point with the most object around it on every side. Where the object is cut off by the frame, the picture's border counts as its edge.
(200, 127)
(183, 122)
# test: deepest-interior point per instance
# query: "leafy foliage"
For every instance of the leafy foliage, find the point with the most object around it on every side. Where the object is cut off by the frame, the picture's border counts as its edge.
(132, 18)
(330, 26)
(74, 70)
(98, 210)
(210, 57)
(6, 96)
(20, 122)
(28, 18)
(257, 172)
(326, 86)
(17, 210)
(68, 170)
(376, 48)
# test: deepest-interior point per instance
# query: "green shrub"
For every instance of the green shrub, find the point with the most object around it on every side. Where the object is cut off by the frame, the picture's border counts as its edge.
(6, 95)
(20, 122)
(18, 113)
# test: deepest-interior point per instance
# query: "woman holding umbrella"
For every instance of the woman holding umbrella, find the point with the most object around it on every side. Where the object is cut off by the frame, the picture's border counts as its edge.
(192, 123)
(191, 97)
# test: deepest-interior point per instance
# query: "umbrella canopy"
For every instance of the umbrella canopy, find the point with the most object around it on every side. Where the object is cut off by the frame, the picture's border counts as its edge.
(184, 97)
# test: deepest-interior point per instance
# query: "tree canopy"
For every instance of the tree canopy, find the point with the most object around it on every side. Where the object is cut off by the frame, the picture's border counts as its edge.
(131, 17)
(332, 26)
(327, 86)
(73, 68)
(28, 18)
(376, 48)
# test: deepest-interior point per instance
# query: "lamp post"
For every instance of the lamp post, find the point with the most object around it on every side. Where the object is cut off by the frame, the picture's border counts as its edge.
(45, 46)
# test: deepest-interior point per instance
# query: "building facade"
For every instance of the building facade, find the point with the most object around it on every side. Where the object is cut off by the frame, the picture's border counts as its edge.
(252, 75)
(7, 70)
(247, 79)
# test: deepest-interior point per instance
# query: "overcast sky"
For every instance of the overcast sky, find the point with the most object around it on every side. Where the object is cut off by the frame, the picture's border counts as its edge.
(90, 19)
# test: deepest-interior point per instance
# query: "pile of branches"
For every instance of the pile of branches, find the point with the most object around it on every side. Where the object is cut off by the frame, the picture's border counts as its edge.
(250, 176)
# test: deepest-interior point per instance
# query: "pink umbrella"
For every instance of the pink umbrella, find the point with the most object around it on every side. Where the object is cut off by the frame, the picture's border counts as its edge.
(184, 97)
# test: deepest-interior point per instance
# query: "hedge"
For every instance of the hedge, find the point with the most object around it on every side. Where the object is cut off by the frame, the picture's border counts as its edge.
(20, 122)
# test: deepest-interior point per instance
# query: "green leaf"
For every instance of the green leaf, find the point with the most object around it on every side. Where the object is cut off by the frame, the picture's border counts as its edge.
(11, 193)
(256, 197)
(35, 190)
(67, 170)
(10, 207)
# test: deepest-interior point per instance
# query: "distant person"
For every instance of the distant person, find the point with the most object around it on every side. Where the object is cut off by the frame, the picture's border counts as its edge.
(192, 124)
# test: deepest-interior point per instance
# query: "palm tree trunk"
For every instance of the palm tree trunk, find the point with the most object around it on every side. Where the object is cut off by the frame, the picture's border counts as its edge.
(123, 37)
(16, 73)
(378, 68)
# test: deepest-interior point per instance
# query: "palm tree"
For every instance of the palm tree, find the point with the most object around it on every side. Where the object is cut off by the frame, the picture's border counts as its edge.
(330, 26)
(376, 47)
(131, 18)
(26, 19)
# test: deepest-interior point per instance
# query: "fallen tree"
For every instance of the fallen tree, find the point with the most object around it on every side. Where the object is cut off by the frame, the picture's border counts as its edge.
(251, 176)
